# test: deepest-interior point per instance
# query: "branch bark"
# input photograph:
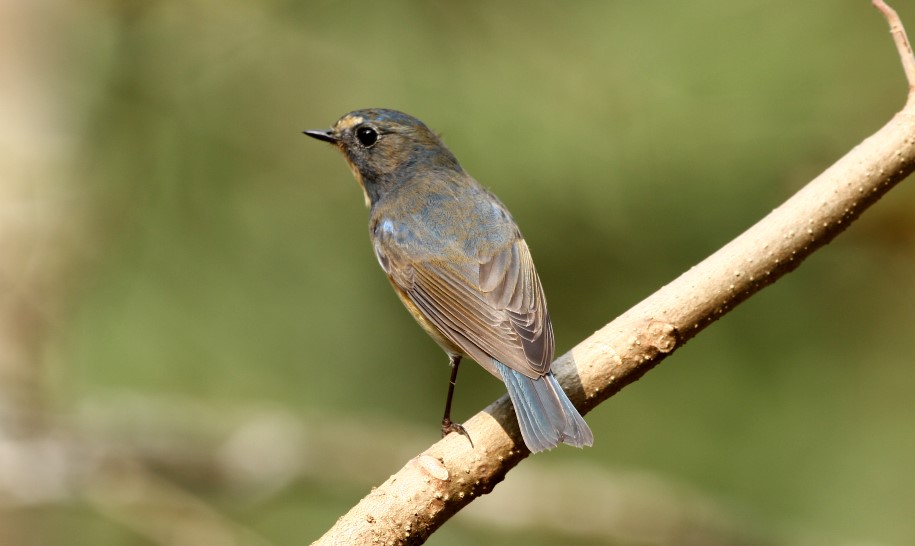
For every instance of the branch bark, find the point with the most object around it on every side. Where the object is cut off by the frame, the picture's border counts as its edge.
(437, 483)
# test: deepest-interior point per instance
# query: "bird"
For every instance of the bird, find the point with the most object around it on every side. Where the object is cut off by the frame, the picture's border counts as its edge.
(457, 260)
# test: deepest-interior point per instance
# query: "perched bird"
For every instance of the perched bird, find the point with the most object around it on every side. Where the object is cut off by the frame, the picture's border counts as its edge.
(458, 261)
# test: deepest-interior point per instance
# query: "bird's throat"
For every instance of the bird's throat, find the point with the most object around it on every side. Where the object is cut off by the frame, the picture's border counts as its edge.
(358, 176)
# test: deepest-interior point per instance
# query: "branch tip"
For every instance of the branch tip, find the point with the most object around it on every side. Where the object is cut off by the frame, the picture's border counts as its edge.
(902, 42)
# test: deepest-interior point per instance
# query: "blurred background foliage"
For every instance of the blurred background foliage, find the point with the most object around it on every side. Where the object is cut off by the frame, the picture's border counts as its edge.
(212, 314)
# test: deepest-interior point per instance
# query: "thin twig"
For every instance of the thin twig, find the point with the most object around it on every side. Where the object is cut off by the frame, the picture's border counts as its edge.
(902, 43)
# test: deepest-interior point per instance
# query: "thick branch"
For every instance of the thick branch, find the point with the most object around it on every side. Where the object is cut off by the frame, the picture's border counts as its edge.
(437, 483)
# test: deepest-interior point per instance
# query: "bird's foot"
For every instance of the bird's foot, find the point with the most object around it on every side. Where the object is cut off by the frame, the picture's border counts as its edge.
(449, 426)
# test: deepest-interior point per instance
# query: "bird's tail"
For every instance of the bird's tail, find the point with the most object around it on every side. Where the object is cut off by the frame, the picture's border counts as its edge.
(545, 414)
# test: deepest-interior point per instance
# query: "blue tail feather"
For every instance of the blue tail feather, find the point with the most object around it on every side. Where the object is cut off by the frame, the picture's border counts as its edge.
(545, 414)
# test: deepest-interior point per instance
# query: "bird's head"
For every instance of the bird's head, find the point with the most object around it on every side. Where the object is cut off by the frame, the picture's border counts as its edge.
(385, 148)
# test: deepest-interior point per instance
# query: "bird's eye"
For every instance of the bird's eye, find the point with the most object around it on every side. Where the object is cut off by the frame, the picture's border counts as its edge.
(367, 136)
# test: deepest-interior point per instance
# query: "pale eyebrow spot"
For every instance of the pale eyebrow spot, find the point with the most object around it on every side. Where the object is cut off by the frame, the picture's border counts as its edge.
(348, 122)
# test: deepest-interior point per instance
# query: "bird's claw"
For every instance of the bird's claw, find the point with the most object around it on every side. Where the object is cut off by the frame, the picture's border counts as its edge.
(449, 426)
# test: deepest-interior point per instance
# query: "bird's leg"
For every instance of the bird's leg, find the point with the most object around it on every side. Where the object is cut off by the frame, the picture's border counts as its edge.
(447, 424)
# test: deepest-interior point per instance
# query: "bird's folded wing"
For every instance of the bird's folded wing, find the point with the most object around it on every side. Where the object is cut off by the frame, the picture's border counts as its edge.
(495, 308)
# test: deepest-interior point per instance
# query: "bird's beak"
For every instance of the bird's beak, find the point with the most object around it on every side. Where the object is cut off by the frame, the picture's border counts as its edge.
(327, 135)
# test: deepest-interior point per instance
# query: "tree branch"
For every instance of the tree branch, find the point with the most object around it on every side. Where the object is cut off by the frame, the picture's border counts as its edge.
(437, 483)
(902, 43)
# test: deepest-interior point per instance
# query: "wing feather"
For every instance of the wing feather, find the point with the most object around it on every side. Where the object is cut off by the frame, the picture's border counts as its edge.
(494, 309)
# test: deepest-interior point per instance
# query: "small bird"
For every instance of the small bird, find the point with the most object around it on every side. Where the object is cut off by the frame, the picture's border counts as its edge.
(458, 262)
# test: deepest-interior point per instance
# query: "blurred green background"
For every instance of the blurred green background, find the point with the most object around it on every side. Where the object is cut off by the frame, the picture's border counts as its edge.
(216, 339)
